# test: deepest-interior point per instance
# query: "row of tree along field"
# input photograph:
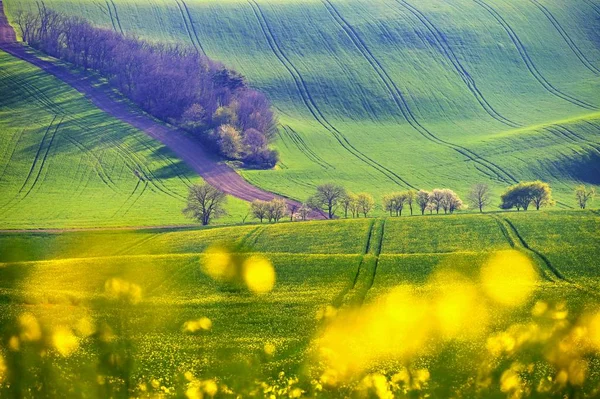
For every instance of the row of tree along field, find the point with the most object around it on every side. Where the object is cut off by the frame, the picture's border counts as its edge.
(206, 202)
(173, 83)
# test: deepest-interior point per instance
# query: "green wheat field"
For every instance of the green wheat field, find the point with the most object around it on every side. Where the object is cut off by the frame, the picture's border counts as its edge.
(117, 294)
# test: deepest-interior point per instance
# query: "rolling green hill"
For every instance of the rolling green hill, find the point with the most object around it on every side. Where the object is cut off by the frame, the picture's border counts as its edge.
(385, 94)
(60, 278)
(65, 163)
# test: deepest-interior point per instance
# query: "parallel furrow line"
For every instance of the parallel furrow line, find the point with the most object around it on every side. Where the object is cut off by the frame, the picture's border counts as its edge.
(443, 45)
(311, 104)
(529, 62)
(567, 38)
(187, 10)
(187, 28)
(402, 104)
(117, 16)
(44, 159)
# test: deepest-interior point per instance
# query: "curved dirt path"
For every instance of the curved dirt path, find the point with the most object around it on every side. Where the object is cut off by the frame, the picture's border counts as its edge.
(190, 151)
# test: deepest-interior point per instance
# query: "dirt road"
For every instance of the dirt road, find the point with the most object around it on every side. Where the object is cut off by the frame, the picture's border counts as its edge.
(190, 151)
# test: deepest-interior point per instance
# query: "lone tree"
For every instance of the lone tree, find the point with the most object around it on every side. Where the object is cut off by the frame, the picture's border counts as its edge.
(584, 195)
(205, 203)
(523, 194)
(479, 196)
(423, 200)
(365, 203)
(328, 196)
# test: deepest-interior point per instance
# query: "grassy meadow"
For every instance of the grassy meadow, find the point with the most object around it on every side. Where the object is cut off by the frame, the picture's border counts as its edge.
(64, 163)
(320, 268)
(382, 95)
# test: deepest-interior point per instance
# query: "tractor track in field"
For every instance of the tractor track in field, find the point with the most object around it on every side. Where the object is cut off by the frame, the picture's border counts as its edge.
(44, 147)
(462, 72)
(185, 148)
(518, 242)
(195, 43)
(44, 159)
(116, 15)
(130, 160)
(377, 253)
(112, 19)
(529, 62)
(593, 5)
(305, 149)
(561, 131)
(37, 154)
(587, 63)
(12, 153)
(402, 104)
(128, 198)
(189, 14)
(310, 103)
(137, 198)
(98, 167)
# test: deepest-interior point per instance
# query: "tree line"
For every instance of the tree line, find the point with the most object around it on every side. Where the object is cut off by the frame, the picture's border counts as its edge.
(206, 202)
(173, 83)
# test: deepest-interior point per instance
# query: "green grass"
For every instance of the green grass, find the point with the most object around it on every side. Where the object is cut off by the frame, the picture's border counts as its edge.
(64, 163)
(60, 277)
(343, 64)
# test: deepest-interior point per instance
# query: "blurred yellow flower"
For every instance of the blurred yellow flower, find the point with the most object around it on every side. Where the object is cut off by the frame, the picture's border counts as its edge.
(14, 344)
(85, 327)
(193, 326)
(3, 368)
(259, 274)
(30, 328)
(218, 264)
(509, 278)
(119, 289)
(64, 341)
(269, 349)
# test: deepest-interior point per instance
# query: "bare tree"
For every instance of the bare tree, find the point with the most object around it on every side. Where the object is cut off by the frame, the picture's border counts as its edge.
(450, 201)
(436, 197)
(365, 203)
(276, 210)
(259, 209)
(411, 196)
(293, 210)
(346, 202)
(479, 196)
(389, 204)
(205, 203)
(304, 211)
(399, 202)
(328, 196)
(423, 200)
(584, 195)
(355, 207)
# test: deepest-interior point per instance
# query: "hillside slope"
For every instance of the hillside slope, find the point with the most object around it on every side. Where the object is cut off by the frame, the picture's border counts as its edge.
(65, 163)
(386, 94)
